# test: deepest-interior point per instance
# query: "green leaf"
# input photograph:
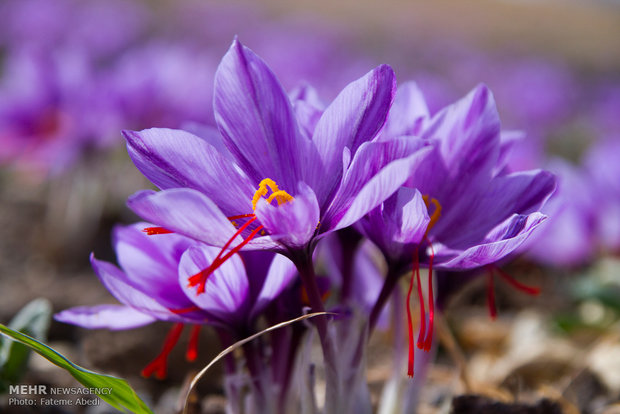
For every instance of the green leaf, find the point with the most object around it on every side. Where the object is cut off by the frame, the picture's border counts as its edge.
(33, 320)
(122, 397)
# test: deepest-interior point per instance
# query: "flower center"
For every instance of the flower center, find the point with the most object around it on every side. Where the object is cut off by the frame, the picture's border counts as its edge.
(264, 186)
(199, 280)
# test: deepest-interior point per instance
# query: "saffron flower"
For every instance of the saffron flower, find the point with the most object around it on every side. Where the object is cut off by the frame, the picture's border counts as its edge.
(260, 183)
(152, 285)
(458, 210)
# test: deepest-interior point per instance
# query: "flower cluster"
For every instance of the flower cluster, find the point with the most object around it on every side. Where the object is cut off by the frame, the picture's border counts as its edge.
(232, 235)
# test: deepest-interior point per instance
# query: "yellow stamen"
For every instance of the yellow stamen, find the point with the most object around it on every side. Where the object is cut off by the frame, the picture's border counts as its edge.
(263, 188)
(281, 196)
(436, 211)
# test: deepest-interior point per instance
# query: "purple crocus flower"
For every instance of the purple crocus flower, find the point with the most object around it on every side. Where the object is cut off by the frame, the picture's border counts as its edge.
(459, 209)
(477, 213)
(211, 184)
(152, 285)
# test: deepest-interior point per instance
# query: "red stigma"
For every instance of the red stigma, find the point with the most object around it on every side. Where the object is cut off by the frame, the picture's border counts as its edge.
(151, 231)
(410, 362)
(192, 347)
(200, 279)
(422, 333)
(425, 337)
(530, 290)
(159, 365)
(184, 310)
(431, 299)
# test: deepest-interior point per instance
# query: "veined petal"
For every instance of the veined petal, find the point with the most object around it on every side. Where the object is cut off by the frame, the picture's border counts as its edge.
(151, 262)
(517, 193)
(293, 223)
(114, 317)
(185, 211)
(117, 284)
(501, 241)
(376, 172)
(257, 121)
(173, 159)
(354, 117)
(226, 289)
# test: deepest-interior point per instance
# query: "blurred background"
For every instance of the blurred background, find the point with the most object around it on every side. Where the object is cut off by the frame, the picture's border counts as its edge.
(74, 73)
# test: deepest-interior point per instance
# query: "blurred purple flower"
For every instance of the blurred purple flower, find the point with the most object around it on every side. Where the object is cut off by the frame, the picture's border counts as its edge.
(163, 84)
(567, 238)
(49, 110)
(98, 28)
(602, 164)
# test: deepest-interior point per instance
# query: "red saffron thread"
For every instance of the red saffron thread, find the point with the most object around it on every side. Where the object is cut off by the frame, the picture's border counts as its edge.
(151, 231)
(240, 216)
(184, 310)
(422, 333)
(530, 290)
(200, 278)
(159, 365)
(192, 346)
(409, 318)
(431, 299)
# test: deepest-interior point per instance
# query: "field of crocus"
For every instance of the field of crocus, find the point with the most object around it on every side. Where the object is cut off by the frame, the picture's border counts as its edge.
(213, 207)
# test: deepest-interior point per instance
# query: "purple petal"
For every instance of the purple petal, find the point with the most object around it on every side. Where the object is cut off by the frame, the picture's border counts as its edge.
(121, 288)
(226, 289)
(407, 210)
(369, 277)
(508, 139)
(292, 223)
(501, 241)
(115, 317)
(477, 212)
(281, 273)
(257, 121)
(469, 133)
(408, 113)
(376, 172)
(354, 117)
(151, 262)
(174, 158)
(193, 214)
(308, 109)
(400, 221)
